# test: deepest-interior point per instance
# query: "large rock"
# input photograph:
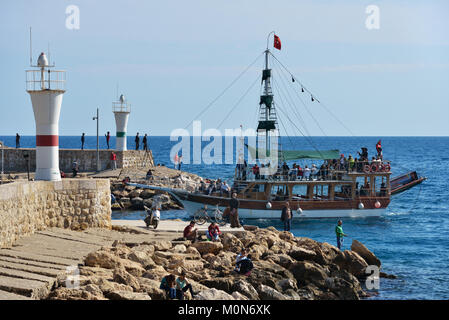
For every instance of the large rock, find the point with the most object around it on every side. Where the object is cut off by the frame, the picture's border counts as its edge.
(72, 294)
(246, 289)
(151, 287)
(126, 295)
(137, 203)
(283, 260)
(162, 245)
(205, 247)
(231, 243)
(124, 277)
(268, 293)
(213, 294)
(103, 259)
(224, 284)
(365, 253)
(308, 272)
(301, 254)
(352, 262)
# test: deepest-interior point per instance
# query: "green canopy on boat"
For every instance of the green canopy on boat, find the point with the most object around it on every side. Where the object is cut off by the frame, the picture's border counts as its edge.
(299, 154)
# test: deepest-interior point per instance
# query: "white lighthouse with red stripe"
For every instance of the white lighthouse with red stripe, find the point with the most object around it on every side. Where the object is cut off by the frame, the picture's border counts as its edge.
(46, 87)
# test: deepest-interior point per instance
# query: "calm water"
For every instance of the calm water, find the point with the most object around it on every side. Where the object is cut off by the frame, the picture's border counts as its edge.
(412, 239)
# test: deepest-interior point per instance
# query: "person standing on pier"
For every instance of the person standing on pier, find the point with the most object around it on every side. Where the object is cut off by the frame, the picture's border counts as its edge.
(145, 142)
(17, 140)
(340, 234)
(234, 213)
(287, 216)
(83, 139)
(108, 137)
(179, 163)
(137, 140)
(113, 161)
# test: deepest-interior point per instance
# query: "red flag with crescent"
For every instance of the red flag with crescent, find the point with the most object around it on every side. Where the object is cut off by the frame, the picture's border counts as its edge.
(277, 42)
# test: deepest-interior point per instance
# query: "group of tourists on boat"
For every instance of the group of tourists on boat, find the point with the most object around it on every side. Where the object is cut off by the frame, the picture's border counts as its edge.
(330, 169)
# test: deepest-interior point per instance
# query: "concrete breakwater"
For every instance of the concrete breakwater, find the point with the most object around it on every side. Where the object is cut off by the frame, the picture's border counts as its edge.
(14, 160)
(134, 198)
(285, 268)
(28, 206)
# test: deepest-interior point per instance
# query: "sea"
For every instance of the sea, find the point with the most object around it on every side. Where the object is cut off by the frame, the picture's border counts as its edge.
(411, 239)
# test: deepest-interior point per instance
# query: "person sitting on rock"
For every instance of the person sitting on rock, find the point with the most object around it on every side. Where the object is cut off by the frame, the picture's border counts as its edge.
(213, 232)
(182, 285)
(149, 175)
(242, 255)
(168, 284)
(244, 266)
(190, 233)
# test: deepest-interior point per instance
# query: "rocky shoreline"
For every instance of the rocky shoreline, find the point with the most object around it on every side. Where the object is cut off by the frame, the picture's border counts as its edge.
(285, 268)
(134, 198)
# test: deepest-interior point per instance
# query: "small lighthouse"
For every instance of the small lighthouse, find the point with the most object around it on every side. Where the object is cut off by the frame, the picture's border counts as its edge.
(121, 109)
(46, 87)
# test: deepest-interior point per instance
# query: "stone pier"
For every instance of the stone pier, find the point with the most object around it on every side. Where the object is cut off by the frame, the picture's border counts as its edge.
(14, 160)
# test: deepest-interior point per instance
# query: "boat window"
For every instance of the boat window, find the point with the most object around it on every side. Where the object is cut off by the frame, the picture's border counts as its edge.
(258, 188)
(343, 191)
(299, 191)
(279, 192)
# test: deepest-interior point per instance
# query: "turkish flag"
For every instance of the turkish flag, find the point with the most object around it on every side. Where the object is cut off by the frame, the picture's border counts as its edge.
(277, 42)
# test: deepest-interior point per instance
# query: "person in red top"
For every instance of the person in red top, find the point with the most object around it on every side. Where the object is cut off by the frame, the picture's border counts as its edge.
(256, 171)
(213, 232)
(113, 161)
(189, 232)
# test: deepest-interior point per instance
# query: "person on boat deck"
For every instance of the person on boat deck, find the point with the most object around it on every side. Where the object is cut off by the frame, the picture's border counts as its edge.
(234, 213)
(379, 149)
(340, 234)
(256, 172)
(293, 173)
(244, 168)
(213, 232)
(383, 190)
(168, 284)
(190, 232)
(182, 285)
(245, 266)
(285, 169)
(287, 216)
(300, 172)
(225, 189)
(314, 172)
(307, 172)
(262, 169)
(350, 163)
(364, 155)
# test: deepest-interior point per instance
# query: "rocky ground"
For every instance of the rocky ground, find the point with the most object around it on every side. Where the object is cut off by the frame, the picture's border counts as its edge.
(132, 198)
(285, 268)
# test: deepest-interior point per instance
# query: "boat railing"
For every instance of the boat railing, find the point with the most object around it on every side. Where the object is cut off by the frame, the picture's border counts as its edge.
(329, 172)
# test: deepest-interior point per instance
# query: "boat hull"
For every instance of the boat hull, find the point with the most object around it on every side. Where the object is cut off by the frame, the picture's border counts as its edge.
(247, 213)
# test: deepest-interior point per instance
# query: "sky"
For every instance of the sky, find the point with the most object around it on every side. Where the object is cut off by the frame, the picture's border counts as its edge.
(172, 58)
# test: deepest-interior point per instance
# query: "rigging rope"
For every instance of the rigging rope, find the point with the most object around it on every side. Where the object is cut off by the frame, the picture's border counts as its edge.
(224, 91)
(303, 103)
(238, 102)
(313, 96)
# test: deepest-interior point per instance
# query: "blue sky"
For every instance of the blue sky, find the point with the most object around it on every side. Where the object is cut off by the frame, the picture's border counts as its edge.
(171, 58)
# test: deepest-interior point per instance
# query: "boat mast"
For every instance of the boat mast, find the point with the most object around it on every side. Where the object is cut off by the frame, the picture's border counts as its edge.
(267, 113)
